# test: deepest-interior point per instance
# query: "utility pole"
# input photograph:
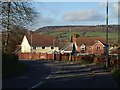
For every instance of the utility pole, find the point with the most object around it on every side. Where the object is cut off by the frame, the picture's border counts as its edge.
(31, 45)
(70, 57)
(54, 49)
(107, 46)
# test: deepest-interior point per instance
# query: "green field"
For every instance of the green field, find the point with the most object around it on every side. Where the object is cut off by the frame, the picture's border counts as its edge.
(113, 37)
(87, 34)
(101, 34)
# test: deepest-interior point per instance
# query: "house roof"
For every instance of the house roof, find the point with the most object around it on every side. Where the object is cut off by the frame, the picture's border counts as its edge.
(115, 51)
(89, 40)
(41, 40)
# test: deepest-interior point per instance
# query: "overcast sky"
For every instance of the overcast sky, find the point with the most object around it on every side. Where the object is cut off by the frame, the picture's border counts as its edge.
(73, 13)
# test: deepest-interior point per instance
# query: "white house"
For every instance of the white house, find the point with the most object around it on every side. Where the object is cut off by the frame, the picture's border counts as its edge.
(37, 43)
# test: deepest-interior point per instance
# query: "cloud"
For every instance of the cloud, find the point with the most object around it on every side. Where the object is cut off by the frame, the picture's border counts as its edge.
(102, 4)
(115, 10)
(83, 15)
(41, 21)
(115, 7)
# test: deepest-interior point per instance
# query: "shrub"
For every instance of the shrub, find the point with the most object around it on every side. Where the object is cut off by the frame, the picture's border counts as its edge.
(11, 66)
(116, 74)
(9, 58)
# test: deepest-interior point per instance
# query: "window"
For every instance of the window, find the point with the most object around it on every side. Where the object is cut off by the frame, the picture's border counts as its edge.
(98, 47)
(82, 47)
(43, 47)
(52, 47)
(34, 47)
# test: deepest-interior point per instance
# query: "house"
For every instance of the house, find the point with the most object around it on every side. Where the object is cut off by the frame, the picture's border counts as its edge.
(115, 50)
(36, 43)
(89, 45)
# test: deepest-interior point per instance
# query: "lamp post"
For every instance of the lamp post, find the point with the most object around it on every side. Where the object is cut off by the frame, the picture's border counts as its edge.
(107, 47)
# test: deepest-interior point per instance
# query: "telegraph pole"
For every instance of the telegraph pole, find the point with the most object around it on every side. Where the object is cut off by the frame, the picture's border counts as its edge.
(70, 57)
(107, 46)
(31, 45)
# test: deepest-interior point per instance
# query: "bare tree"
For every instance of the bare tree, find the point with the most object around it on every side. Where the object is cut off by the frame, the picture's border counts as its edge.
(17, 14)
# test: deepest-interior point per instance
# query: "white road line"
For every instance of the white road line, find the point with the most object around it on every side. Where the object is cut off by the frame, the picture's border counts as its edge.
(40, 83)
(48, 77)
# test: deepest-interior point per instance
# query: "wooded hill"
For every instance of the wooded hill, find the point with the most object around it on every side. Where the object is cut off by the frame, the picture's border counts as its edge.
(101, 28)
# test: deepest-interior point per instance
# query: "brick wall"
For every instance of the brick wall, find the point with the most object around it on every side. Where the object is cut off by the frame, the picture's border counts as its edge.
(40, 56)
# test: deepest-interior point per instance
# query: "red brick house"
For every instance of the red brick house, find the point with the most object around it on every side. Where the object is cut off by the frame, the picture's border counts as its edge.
(89, 45)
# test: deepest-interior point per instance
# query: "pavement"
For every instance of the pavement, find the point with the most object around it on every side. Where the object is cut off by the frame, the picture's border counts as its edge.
(47, 74)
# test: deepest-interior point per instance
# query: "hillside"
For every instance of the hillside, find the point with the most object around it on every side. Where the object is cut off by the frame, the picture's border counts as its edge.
(65, 32)
(101, 28)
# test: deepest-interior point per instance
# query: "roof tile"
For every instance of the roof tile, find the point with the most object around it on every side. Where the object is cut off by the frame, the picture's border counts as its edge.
(41, 40)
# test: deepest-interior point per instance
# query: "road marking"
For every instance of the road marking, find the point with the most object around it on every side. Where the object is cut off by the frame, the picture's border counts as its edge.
(39, 84)
(48, 77)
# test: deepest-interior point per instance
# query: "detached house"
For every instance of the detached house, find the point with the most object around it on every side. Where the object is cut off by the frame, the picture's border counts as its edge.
(36, 43)
(89, 45)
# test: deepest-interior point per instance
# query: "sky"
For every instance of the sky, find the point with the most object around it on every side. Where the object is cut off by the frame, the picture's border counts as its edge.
(73, 13)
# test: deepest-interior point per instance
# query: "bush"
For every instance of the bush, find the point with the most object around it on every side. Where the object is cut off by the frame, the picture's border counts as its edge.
(9, 58)
(11, 66)
(116, 74)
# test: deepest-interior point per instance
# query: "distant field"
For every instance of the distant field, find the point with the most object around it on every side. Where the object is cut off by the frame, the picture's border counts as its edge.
(88, 34)
(113, 37)
(101, 34)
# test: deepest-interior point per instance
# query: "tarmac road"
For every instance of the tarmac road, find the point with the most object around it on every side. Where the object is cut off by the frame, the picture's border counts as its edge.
(47, 74)
(37, 72)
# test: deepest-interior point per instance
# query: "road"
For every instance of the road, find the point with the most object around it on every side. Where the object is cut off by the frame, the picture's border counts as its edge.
(37, 72)
(47, 74)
